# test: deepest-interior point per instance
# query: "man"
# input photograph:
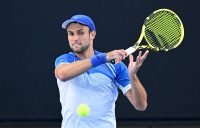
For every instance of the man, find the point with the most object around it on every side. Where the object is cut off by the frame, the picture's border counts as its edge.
(87, 76)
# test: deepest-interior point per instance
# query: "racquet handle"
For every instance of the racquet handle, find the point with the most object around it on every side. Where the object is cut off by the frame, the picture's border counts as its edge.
(129, 51)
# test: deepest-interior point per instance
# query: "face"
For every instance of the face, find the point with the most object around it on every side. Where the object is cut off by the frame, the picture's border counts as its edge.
(80, 38)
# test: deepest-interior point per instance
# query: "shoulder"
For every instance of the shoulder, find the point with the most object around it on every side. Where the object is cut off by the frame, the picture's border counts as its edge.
(97, 52)
(69, 55)
(67, 58)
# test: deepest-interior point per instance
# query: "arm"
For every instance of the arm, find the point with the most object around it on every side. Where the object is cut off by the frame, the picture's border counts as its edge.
(137, 94)
(68, 71)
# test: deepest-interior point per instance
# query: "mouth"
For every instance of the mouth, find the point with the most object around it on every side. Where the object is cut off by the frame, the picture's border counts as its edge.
(76, 44)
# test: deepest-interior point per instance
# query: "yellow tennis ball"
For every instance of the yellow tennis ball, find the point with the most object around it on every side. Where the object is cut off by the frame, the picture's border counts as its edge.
(83, 110)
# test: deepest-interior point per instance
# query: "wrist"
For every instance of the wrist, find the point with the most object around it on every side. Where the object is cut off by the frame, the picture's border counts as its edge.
(99, 59)
(133, 77)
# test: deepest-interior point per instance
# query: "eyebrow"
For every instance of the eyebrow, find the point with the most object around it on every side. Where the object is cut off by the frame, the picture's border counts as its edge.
(76, 30)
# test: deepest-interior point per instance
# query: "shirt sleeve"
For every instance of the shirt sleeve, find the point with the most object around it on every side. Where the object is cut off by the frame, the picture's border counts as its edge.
(65, 58)
(122, 77)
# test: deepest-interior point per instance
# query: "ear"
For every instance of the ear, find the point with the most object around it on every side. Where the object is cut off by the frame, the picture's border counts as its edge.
(92, 35)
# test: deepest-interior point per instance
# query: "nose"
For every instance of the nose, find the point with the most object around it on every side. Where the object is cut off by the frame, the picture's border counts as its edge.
(75, 37)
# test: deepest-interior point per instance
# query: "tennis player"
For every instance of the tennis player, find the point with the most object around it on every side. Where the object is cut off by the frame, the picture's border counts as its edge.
(86, 75)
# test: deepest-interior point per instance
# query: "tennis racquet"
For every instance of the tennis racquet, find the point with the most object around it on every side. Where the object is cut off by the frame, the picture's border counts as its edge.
(162, 30)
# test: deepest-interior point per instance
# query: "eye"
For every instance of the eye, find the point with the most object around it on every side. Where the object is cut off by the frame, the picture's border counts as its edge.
(80, 32)
(70, 33)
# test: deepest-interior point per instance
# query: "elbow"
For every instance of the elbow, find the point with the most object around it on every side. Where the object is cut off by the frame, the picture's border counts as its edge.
(60, 75)
(141, 107)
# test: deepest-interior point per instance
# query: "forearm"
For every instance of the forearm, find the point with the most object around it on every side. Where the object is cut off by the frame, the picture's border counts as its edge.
(67, 71)
(139, 94)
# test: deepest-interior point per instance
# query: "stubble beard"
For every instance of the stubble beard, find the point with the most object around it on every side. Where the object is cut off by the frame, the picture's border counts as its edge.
(82, 49)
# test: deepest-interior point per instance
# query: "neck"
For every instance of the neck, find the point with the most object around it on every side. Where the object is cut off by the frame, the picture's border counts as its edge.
(86, 54)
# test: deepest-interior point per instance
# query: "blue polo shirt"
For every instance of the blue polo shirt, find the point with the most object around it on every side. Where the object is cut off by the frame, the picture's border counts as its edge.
(98, 87)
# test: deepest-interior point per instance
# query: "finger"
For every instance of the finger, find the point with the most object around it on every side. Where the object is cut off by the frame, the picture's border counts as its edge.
(139, 57)
(118, 57)
(125, 53)
(131, 58)
(138, 60)
(122, 54)
(145, 55)
(140, 54)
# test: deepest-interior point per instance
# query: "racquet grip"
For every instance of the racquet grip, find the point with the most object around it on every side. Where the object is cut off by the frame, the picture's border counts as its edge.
(129, 51)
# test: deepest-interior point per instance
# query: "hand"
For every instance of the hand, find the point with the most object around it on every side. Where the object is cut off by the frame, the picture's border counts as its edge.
(118, 55)
(133, 67)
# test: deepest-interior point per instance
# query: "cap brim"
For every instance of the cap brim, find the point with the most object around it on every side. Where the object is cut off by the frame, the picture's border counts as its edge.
(67, 22)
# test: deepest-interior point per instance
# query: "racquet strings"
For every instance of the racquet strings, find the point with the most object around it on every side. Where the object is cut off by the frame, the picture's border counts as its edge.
(163, 30)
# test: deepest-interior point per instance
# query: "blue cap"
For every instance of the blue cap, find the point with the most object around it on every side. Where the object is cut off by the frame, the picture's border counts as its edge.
(82, 19)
